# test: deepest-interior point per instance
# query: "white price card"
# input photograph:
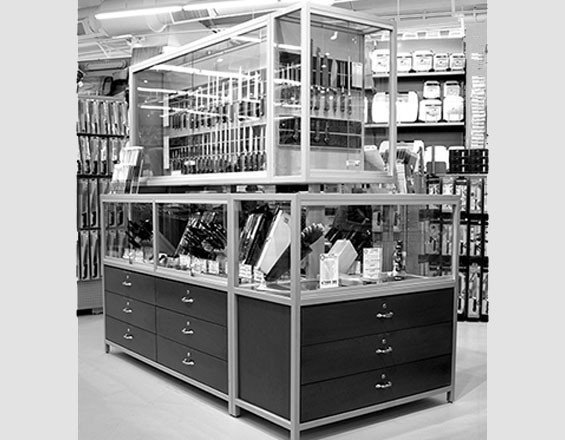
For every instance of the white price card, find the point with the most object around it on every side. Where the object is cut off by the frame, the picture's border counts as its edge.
(213, 267)
(329, 271)
(184, 261)
(372, 262)
(258, 276)
(246, 272)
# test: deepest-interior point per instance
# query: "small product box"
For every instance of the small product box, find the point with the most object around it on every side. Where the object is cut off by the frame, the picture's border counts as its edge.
(329, 271)
(451, 88)
(94, 254)
(453, 108)
(380, 61)
(407, 107)
(430, 110)
(457, 61)
(441, 61)
(404, 62)
(432, 90)
(372, 263)
(345, 253)
(422, 60)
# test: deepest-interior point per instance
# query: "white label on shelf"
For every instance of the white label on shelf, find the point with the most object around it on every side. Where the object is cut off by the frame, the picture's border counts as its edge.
(258, 276)
(246, 272)
(329, 271)
(372, 262)
(213, 267)
(184, 261)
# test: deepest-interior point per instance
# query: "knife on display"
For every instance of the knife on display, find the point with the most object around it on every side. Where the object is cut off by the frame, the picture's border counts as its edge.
(349, 103)
(326, 83)
(318, 80)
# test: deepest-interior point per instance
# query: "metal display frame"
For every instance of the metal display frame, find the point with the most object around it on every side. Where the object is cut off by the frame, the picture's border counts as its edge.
(296, 299)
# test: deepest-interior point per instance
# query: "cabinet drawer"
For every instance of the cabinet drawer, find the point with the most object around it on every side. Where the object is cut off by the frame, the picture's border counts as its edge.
(131, 337)
(131, 311)
(199, 302)
(128, 283)
(348, 393)
(196, 333)
(350, 319)
(349, 356)
(199, 366)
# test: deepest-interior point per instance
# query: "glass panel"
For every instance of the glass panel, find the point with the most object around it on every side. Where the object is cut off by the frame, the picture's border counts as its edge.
(340, 78)
(204, 112)
(288, 52)
(192, 238)
(377, 102)
(264, 243)
(129, 232)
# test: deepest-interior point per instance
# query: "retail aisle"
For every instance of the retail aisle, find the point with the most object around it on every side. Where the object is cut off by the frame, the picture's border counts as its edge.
(121, 398)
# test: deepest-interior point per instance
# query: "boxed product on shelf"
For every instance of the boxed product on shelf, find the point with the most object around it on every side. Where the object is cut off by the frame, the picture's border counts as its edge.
(461, 188)
(484, 294)
(457, 61)
(93, 203)
(476, 195)
(407, 107)
(380, 108)
(440, 61)
(404, 62)
(451, 88)
(432, 90)
(422, 60)
(94, 254)
(453, 108)
(474, 292)
(380, 60)
(430, 110)
(82, 203)
(84, 263)
(435, 159)
(84, 155)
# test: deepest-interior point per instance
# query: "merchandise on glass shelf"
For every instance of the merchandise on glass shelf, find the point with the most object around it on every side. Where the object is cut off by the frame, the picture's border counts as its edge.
(446, 239)
(484, 295)
(453, 108)
(441, 61)
(345, 253)
(461, 188)
(476, 195)
(399, 261)
(372, 263)
(329, 271)
(83, 204)
(432, 90)
(475, 240)
(463, 228)
(430, 110)
(433, 237)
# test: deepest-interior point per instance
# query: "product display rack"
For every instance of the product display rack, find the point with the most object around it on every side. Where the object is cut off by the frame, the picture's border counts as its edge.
(303, 308)
(204, 315)
(101, 133)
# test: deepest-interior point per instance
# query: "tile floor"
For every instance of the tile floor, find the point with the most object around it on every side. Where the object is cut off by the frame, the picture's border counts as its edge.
(121, 398)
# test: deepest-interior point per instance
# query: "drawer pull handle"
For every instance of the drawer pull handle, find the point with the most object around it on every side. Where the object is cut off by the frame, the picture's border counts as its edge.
(187, 331)
(381, 386)
(188, 362)
(126, 283)
(128, 336)
(384, 350)
(127, 310)
(387, 315)
(187, 300)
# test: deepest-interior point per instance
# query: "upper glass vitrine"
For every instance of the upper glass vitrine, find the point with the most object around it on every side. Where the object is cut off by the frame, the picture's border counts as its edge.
(278, 99)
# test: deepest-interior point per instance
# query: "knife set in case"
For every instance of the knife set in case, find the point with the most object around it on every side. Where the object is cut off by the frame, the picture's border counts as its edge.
(204, 236)
(274, 259)
(254, 234)
(323, 132)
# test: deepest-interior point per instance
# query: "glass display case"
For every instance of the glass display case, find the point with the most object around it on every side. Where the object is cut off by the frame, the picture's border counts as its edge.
(343, 244)
(278, 99)
(170, 235)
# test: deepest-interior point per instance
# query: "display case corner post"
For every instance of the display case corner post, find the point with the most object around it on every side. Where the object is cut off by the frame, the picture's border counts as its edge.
(232, 321)
(306, 79)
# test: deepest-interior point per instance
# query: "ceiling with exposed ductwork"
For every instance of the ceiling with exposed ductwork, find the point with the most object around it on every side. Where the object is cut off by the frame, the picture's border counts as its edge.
(117, 39)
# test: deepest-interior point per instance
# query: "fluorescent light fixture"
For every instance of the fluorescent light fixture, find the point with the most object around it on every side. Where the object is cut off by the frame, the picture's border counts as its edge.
(196, 6)
(246, 39)
(195, 71)
(288, 47)
(137, 12)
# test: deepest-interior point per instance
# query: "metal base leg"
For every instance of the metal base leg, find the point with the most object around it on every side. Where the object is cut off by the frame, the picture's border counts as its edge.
(106, 348)
(294, 434)
(234, 411)
(450, 396)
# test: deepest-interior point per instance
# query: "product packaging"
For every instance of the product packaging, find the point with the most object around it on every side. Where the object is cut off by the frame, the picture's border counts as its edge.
(93, 203)
(451, 88)
(441, 61)
(372, 263)
(430, 110)
(422, 60)
(346, 254)
(94, 254)
(457, 61)
(432, 90)
(329, 271)
(403, 62)
(453, 108)
(380, 61)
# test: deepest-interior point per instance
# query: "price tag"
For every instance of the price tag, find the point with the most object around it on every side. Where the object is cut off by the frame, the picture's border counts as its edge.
(246, 272)
(372, 262)
(184, 261)
(138, 256)
(329, 271)
(213, 267)
(258, 276)
(197, 266)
